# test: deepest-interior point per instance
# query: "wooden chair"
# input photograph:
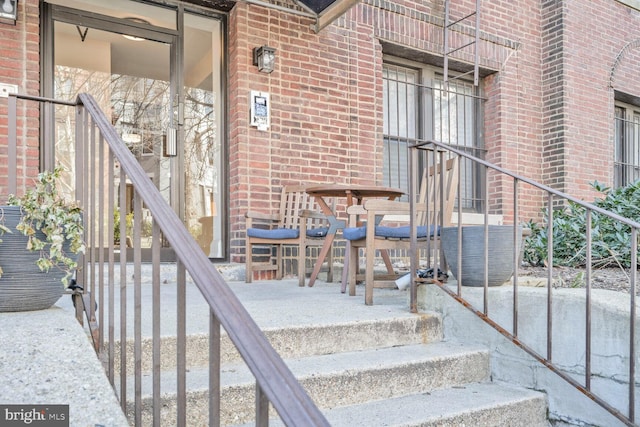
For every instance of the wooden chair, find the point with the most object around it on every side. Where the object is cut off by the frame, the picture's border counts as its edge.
(375, 235)
(298, 223)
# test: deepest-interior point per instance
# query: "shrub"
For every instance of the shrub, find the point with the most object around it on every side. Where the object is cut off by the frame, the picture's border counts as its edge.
(611, 240)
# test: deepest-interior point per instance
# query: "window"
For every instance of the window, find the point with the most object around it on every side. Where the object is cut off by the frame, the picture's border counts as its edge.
(417, 107)
(401, 111)
(627, 144)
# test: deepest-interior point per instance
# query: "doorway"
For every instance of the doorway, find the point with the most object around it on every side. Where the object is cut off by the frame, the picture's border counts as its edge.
(157, 73)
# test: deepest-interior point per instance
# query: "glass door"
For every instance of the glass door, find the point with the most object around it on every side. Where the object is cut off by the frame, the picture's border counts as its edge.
(130, 78)
(131, 66)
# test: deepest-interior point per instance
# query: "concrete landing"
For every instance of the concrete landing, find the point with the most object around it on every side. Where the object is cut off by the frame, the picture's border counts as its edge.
(46, 358)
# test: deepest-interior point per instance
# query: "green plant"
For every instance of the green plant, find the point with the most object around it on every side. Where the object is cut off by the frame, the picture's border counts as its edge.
(147, 228)
(116, 225)
(611, 240)
(43, 208)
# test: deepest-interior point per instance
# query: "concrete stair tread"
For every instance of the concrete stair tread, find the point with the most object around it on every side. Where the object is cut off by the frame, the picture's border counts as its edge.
(473, 404)
(477, 404)
(438, 354)
(302, 340)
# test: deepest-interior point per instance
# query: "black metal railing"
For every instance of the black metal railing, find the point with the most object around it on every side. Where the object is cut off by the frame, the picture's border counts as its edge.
(513, 186)
(102, 161)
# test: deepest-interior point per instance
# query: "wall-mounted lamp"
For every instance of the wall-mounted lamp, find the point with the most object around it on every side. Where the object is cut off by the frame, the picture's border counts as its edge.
(265, 58)
(9, 10)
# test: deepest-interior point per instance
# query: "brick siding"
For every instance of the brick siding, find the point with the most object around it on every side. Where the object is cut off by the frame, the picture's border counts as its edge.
(551, 68)
(20, 65)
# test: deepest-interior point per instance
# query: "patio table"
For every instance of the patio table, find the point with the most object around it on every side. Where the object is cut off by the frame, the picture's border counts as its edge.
(354, 194)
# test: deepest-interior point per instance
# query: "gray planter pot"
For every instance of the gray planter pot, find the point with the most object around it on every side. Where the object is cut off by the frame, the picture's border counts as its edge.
(23, 287)
(501, 250)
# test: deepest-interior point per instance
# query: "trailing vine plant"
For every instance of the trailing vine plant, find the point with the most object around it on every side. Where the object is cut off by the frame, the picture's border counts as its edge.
(44, 208)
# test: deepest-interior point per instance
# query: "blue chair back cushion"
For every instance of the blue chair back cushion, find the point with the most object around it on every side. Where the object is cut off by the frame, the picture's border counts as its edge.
(403, 232)
(276, 233)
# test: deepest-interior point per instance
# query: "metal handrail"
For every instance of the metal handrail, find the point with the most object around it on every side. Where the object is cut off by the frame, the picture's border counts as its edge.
(585, 388)
(275, 383)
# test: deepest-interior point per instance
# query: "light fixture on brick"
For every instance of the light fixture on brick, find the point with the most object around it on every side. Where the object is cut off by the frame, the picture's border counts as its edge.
(265, 58)
(9, 11)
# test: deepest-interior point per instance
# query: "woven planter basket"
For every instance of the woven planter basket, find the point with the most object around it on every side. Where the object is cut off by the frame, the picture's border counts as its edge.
(23, 287)
(500, 253)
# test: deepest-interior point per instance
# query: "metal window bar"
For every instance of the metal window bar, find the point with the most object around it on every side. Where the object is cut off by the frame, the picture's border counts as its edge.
(450, 115)
(627, 142)
(401, 96)
(553, 197)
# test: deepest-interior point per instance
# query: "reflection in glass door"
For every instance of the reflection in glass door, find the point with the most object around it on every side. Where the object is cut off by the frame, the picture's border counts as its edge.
(202, 133)
(139, 108)
(137, 98)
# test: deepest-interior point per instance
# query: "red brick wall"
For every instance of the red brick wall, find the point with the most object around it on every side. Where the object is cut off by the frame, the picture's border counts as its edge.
(548, 114)
(597, 33)
(581, 44)
(19, 65)
(513, 110)
(326, 95)
(325, 109)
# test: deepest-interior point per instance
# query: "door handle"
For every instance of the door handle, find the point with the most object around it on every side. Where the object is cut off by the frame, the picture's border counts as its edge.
(171, 144)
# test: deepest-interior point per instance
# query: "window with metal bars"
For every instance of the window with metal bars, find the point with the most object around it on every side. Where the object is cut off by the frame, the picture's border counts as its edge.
(627, 144)
(419, 106)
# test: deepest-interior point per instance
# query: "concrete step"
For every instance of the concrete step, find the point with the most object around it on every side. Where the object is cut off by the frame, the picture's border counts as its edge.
(473, 404)
(300, 341)
(333, 380)
(362, 365)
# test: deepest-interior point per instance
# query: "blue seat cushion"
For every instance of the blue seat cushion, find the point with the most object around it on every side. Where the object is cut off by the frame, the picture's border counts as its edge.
(403, 232)
(355, 233)
(318, 232)
(276, 233)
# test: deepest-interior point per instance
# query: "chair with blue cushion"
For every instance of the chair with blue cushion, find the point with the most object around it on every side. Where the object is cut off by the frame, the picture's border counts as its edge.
(298, 224)
(382, 225)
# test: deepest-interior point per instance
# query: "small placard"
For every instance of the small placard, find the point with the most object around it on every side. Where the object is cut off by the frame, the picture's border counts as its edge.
(260, 110)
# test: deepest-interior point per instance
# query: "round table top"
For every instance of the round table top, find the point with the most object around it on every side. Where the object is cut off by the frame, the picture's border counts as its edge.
(358, 191)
